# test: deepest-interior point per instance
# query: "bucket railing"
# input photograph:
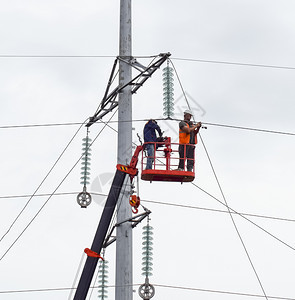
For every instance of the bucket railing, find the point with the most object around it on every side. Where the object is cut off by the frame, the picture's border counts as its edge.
(165, 156)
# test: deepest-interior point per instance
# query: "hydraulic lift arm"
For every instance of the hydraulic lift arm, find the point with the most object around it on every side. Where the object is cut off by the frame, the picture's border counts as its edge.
(91, 262)
(104, 223)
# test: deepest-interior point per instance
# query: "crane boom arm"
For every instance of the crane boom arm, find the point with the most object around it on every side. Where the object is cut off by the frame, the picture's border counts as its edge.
(104, 224)
(108, 211)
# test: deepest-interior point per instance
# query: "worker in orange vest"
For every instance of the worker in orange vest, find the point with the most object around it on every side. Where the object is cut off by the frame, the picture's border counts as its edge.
(187, 140)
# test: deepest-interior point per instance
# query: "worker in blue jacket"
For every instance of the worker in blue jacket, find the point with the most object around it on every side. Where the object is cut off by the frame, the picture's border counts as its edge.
(150, 136)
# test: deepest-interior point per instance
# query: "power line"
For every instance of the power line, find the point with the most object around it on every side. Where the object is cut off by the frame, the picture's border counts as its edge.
(39, 186)
(233, 221)
(55, 56)
(216, 210)
(250, 128)
(145, 120)
(232, 210)
(221, 292)
(155, 284)
(38, 212)
(37, 195)
(236, 212)
(157, 202)
(223, 196)
(39, 125)
(150, 56)
(234, 63)
(71, 56)
(243, 216)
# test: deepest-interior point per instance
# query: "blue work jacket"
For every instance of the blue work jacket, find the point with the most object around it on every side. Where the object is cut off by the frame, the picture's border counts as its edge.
(149, 132)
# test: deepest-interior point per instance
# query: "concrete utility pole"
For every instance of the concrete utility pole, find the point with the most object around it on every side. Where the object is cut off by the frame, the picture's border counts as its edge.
(124, 278)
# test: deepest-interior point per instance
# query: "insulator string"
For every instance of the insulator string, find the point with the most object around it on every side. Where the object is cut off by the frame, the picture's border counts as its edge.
(147, 250)
(103, 279)
(86, 160)
(168, 91)
(84, 198)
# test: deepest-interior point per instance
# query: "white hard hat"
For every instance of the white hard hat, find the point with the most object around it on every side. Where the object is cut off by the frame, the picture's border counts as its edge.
(188, 112)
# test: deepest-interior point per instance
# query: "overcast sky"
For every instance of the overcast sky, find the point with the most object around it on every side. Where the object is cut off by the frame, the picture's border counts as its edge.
(235, 61)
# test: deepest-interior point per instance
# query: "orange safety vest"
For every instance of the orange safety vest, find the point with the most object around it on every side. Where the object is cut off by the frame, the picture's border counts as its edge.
(184, 137)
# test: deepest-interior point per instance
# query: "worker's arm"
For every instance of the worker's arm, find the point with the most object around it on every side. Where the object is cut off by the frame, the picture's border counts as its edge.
(197, 127)
(159, 131)
(190, 129)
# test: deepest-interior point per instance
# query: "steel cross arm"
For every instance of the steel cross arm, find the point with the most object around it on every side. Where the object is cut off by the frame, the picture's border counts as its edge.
(109, 101)
(133, 63)
(135, 221)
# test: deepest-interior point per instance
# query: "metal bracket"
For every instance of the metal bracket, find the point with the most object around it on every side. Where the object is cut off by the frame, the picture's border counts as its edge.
(134, 220)
(109, 101)
(133, 63)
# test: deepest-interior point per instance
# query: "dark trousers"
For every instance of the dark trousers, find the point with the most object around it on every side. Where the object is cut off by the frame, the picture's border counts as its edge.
(186, 152)
(150, 158)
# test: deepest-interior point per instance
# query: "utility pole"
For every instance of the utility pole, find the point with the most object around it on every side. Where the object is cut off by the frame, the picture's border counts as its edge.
(124, 278)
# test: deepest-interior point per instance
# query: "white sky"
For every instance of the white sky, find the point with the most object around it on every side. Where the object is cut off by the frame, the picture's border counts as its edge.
(193, 248)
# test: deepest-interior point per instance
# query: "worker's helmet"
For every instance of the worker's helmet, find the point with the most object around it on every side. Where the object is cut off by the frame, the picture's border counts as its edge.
(188, 111)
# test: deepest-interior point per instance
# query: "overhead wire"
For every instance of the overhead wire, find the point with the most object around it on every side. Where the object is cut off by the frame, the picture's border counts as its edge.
(223, 196)
(157, 202)
(223, 126)
(250, 128)
(239, 128)
(222, 292)
(41, 208)
(243, 216)
(150, 56)
(80, 265)
(145, 120)
(232, 219)
(216, 210)
(44, 179)
(55, 56)
(39, 125)
(114, 216)
(71, 56)
(154, 284)
(235, 63)
(232, 210)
